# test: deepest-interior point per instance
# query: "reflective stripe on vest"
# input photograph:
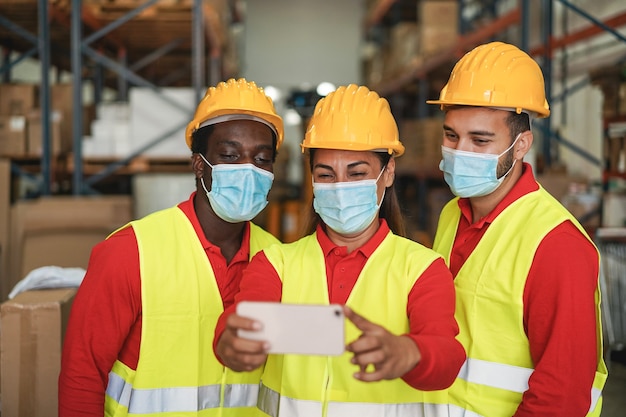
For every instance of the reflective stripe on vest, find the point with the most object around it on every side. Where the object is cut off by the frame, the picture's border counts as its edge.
(179, 399)
(497, 375)
(271, 401)
(329, 380)
(508, 377)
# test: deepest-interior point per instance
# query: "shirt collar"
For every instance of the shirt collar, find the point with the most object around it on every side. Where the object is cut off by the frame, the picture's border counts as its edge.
(367, 249)
(188, 208)
(524, 185)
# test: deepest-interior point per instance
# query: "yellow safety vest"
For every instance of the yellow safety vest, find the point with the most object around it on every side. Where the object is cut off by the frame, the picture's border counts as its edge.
(310, 385)
(177, 372)
(489, 308)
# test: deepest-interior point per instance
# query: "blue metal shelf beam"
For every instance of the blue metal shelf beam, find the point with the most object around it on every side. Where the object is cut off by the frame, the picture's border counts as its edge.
(126, 73)
(41, 48)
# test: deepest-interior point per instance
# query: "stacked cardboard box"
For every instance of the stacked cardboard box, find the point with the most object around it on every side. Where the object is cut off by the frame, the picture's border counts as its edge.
(33, 327)
(18, 99)
(422, 141)
(16, 102)
(20, 120)
(438, 25)
(5, 207)
(60, 231)
(404, 49)
(409, 44)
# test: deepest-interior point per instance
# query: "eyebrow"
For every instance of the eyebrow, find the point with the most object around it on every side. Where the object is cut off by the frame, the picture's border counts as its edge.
(229, 142)
(472, 132)
(352, 165)
(357, 163)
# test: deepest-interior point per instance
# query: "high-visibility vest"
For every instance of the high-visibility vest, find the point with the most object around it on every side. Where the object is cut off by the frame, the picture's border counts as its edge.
(489, 307)
(311, 385)
(177, 371)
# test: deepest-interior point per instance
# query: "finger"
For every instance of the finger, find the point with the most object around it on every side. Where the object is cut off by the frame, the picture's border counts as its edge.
(375, 357)
(251, 362)
(373, 376)
(359, 321)
(252, 346)
(235, 321)
(240, 354)
(363, 344)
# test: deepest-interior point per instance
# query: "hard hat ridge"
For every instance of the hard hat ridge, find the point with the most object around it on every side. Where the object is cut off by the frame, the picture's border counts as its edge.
(353, 118)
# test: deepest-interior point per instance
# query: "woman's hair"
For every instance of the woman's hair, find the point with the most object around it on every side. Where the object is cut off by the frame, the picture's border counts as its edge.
(389, 208)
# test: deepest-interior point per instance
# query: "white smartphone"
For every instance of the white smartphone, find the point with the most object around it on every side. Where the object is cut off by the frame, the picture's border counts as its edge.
(296, 328)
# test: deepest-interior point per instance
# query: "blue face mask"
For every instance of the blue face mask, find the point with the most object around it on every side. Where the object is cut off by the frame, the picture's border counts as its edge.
(471, 174)
(347, 207)
(238, 191)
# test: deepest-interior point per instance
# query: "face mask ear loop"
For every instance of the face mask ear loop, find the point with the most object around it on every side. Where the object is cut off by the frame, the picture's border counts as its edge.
(513, 144)
(384, 189)
(202, 178)
(381, 199)
(204, 159)
(514, 160)
(380, 173)
(203, 186)
(509, 171)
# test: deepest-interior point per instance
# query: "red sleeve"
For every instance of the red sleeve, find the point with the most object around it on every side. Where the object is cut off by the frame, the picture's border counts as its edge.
(560, 321)
(104, 313)
(434, 329)
(260, 282)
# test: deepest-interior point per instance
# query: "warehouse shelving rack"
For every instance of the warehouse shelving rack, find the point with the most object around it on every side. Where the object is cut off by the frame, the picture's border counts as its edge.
(36, 45)
(420, 76)
(417, 75)
(517, 16)
(90, 40)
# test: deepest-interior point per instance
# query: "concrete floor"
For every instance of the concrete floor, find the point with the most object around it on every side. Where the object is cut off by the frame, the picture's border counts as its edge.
(615, 389)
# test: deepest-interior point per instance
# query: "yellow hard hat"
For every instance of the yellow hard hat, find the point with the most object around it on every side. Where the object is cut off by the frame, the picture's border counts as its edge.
(235, 100)
(496, 75)
(353, 118)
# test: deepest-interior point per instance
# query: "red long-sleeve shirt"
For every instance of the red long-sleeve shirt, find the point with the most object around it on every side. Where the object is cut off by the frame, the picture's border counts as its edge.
(105, 321)
(430, 307)
(559, 309)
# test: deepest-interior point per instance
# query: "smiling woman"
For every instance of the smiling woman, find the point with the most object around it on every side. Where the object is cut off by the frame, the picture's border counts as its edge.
(403, 336)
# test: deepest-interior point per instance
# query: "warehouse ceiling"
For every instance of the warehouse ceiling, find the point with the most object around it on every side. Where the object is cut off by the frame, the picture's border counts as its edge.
(156, 44)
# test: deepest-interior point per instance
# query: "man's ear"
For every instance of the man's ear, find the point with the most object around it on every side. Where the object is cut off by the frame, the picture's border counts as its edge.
(197, 164)
(523, 145)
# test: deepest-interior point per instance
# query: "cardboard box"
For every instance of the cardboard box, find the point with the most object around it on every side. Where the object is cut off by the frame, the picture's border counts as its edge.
(12, 135)
(33, 327)
(439, 25)
(5, 207)
(422, 140)
(18, 99)
(614, 210)
(62, 101)
(60, 231)
(34, 144)
(403, 48)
